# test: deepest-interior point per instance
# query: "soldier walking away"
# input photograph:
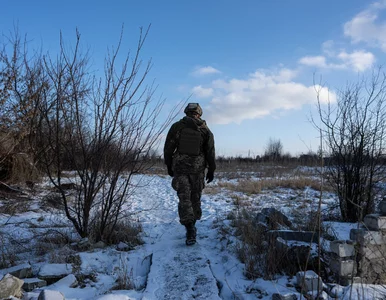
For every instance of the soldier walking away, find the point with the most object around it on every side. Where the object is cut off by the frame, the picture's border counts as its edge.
(188, 152)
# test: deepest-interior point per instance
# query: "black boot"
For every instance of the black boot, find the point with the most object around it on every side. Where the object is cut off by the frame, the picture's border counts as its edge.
(190, 234)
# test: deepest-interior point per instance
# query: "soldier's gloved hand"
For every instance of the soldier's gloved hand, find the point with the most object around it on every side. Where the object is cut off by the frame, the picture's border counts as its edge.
(170, 171)
(209, 176)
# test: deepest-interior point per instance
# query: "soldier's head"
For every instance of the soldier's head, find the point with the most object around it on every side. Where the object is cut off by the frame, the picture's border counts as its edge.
(193, 110)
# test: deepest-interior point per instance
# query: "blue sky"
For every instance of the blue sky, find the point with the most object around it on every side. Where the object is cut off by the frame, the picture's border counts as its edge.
(250, 64)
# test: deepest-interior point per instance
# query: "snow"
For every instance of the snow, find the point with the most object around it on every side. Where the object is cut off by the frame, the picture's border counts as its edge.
(164, 267)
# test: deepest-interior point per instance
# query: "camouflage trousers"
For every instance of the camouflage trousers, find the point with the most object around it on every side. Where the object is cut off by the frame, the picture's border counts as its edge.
(189, 189)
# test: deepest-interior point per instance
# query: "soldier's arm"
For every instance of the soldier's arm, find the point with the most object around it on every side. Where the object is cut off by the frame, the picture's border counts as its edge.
(210, 154)
(170, 145)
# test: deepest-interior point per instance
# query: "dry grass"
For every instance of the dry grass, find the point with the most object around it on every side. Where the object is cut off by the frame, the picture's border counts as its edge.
(241, 201)
(8, 256)
(253, 186)
(211, 190)
(245, 186)
(251, 248)
(125, 278)
(51, 242)
(62, 255)
(14, 205)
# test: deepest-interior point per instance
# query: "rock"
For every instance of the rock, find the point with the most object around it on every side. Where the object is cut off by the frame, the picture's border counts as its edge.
(273, 218)
(99, 245)
(19, 271)
(83, 245)
(70, 281)
(10, 286)
(50, 295)
(54, 272)
(32, 283)
(124, 247)
(290, 296)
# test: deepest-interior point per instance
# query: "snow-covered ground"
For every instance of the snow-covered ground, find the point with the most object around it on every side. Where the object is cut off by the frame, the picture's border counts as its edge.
(164, 265)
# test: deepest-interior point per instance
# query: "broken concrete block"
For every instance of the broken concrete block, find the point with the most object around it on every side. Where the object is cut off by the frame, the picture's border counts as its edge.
(364, 237)
(382, 207)
(348, 280)
(342, 248)
(290, 235)
(343, 267)
(309, 281)
(375, 222)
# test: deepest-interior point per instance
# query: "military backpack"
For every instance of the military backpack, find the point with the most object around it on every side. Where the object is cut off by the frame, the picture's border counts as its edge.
(190, 141)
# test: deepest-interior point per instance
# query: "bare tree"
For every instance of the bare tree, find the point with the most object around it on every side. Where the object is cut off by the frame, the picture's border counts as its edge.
(20, 88)
(273, 150)
(353, 131)
(102, 129)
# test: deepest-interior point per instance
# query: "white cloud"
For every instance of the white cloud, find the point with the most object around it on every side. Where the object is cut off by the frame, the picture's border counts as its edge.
(358, 61)
(314, 61)
(259, 95)
(366, 27)
(208, 70)
(202, 92)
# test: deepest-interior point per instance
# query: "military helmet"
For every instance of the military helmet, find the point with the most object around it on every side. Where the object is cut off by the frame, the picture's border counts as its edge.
(193, 107)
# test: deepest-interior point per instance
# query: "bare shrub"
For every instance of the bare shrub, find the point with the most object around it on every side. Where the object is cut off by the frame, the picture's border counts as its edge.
(353, 131)
(102, 128)
(58, 113)
(52, 200)
(125, 231)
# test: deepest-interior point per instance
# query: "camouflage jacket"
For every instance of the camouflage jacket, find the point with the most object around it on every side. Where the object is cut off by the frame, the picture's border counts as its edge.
(183, 163)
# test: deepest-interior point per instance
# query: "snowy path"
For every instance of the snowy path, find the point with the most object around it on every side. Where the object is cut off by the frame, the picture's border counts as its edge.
(177, 271)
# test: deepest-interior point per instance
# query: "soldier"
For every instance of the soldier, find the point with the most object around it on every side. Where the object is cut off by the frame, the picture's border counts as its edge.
(188, 151)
